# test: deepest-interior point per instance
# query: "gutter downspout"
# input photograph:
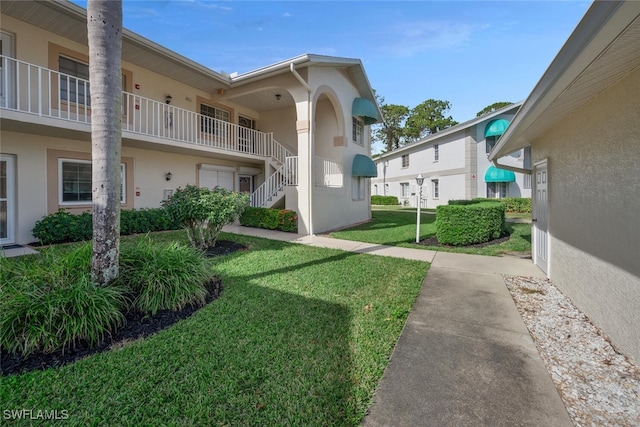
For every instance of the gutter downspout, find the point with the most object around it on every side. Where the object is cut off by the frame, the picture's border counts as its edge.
(510, 168)
(309, 170)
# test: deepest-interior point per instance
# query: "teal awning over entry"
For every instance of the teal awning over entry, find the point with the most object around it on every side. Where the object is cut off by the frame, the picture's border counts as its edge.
(366, 109)
(363, 166)
(494, 174)
(496, 127)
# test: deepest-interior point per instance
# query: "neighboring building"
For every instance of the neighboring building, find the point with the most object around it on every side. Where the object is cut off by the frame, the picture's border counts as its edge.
(454, 164)
(582, 124)
(289, 133)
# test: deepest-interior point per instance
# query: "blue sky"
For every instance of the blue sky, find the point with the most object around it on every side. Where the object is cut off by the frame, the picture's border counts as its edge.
(470, 53)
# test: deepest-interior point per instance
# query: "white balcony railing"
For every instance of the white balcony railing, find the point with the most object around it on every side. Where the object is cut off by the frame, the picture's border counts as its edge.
(32, 89)
(287, 174)
(327, 172)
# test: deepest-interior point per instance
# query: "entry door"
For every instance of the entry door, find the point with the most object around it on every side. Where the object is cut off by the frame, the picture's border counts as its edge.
(7, 200)
(245, 184)
(6, 70)
(541, 216)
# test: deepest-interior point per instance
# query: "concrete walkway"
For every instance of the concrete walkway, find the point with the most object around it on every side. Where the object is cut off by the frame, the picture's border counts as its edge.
(465, 357)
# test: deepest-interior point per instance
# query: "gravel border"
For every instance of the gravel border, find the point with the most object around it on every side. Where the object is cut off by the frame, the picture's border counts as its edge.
(599, 385)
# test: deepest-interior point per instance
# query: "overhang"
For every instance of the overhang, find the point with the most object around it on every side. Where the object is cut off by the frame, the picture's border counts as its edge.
(494, 174)
(363, 166)
(365, 109)
(496, 127)
(601, 50)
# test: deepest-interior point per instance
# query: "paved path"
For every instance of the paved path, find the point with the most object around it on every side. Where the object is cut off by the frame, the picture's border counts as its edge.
(465, 357)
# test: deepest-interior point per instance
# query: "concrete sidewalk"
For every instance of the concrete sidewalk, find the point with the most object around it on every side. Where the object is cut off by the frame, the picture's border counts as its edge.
(465, 357)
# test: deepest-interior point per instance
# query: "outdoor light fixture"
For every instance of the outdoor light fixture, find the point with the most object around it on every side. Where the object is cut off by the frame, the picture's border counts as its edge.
(278, 96)
(168, 99)
(419, 181)
(168, 176)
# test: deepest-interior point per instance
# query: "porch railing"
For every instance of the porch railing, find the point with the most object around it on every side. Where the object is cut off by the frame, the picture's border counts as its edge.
(287, 174)
(32, 89)
(327, 172)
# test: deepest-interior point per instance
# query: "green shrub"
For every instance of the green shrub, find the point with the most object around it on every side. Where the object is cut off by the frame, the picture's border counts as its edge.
(203, 212)
(63, 226)
(50, 303)
(517, 204)
(466, 224)
(384, 200)
(163, 277)
(270, 219)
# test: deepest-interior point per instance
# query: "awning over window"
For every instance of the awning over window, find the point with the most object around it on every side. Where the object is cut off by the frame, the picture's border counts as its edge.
(363, 166)
(364, 108)
(494, 174)
(496, 127)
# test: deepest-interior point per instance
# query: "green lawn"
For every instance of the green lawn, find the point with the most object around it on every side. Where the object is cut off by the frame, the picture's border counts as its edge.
(398, 228)
(300, 336)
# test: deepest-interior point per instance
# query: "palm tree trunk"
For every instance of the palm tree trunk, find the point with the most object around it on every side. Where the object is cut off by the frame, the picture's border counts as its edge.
(104, 23)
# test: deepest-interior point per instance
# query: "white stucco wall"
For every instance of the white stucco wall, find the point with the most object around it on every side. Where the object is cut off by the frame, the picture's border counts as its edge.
(594, 204)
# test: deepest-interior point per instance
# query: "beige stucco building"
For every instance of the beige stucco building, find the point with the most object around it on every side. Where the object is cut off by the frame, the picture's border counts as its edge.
(288, 133)
(582, 122)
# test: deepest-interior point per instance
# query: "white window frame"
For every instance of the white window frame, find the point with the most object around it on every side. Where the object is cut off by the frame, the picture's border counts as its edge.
(489, 147)
(357, 131)
(435, 188)
(61, 202)
(221, 114)
(73, 80)
(436, 152)
(498, 190)
(405, 191)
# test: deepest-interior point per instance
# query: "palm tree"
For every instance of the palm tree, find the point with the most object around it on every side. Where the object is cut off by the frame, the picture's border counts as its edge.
(104, 24)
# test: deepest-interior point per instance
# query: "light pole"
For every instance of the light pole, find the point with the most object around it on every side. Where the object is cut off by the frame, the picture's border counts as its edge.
(419, 181)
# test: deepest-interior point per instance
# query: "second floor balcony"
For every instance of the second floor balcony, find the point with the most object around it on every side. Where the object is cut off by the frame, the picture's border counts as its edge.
(33, 90)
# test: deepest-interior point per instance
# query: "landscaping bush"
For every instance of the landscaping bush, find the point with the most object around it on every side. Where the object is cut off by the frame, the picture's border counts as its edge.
(517, 204)
(466, 224)
(270, 219)
(63, 226)
(50, 302)
(384, 200)
(163, 277)
(203, 212)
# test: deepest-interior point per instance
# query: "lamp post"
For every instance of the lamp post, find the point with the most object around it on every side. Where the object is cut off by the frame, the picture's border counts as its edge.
(419, 181)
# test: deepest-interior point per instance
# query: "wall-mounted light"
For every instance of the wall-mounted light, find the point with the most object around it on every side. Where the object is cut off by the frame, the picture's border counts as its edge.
(168, 176)
(168, 99)
(278, 96)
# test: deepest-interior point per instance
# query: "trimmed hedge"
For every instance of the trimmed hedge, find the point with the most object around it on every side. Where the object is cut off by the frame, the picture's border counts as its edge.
(511, 204)
(63, 226)
(270, 219)
(466, 224)
(384, 200)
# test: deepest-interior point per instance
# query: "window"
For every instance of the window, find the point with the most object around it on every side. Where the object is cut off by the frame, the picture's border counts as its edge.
(496, 190)
(72, 89)
(404, 186)
(207, 122)
(358, 131)
(405, 160)
(75, 182)
(358, 187)
(491, 142)
(435, 188)
(375, 189)
(527, 181)
(436, 152)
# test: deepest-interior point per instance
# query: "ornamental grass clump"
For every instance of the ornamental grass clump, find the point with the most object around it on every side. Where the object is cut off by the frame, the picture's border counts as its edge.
(164, 277)
(203, 212)
(50, 303)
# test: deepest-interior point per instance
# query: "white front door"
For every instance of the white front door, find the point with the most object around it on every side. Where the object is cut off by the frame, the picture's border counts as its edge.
(7, 199)
(541, 216)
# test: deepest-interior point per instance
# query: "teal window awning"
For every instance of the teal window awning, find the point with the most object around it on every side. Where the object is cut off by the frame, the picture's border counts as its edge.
(363, 166)
(496, 127)
(366, 109)
(494, 174)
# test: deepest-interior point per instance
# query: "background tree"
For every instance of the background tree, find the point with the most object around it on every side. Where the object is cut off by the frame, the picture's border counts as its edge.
(493, 107)
(390, 132)
(104, 25)
(428, 118)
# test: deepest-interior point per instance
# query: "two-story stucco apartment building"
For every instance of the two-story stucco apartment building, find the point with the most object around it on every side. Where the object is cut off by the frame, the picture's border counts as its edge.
(454, 164)
(294, 134)
(582, 125)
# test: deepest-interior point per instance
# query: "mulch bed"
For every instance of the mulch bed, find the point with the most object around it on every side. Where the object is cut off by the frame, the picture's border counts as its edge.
(433, 241)
(137, 326)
